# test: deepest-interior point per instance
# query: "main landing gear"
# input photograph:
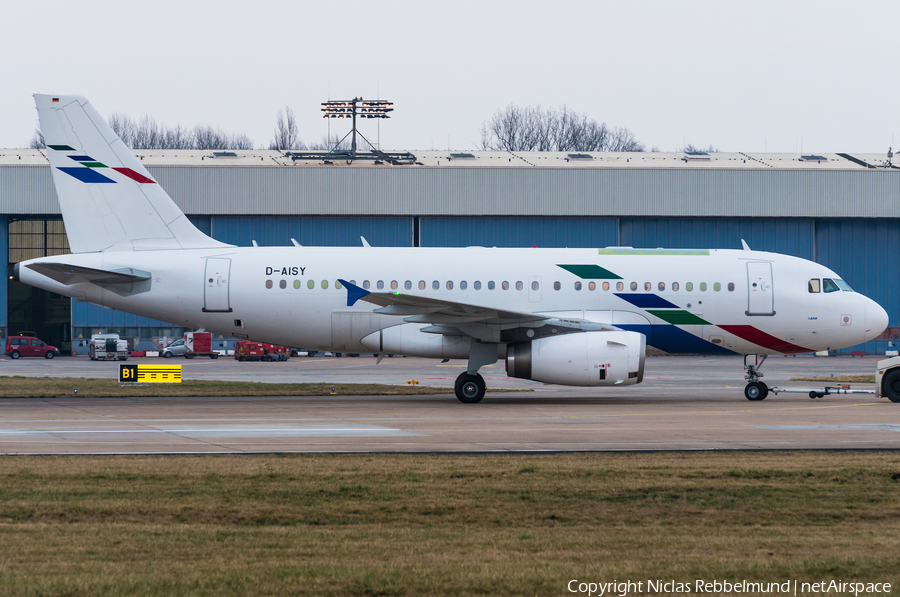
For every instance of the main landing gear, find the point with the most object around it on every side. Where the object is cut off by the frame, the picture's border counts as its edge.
(755, 389)
(470, 386)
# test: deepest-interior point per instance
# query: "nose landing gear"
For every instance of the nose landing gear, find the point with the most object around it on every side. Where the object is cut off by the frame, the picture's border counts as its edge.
(755, 389)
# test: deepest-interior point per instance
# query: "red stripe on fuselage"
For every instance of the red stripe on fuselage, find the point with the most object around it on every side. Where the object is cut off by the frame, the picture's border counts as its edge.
(751, 334)
(134, 175)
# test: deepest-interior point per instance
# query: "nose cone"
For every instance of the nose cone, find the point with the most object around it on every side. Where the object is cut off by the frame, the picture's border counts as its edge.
(876, 320)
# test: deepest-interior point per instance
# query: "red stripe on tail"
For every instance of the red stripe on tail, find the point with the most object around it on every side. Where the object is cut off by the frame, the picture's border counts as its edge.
(135, 176)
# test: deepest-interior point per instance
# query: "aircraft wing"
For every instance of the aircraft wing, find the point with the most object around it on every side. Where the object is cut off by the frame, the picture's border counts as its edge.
(420, 309)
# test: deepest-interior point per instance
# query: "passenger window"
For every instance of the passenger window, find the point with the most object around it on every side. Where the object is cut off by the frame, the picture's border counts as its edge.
(619, 286)
(813, 286)
(689, 286)
(731, 287)
(606, 286)
(717, 287)
(380, 284)
(828, 285)
(268, 283)
(477, 285)
(353, 282)
(337, 284)
(393, 284)
(674, 286)
(702, 286)
(647, 286)
(312, 284)
(421, 284)
(491, 285)
(634, 285)
(505, 285)
(463, 285)
(365, 284)
(449, 285)
(282, 284)
(408, 284)
(577, 285)
(592, 286)
(436, 285)
(661, 286)
(519, 286)
(297, 284)
(535, 285)
(324, 284)
(556, 286)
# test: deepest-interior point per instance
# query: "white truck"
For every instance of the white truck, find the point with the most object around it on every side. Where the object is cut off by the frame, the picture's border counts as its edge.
(108, 347)
(887, 379)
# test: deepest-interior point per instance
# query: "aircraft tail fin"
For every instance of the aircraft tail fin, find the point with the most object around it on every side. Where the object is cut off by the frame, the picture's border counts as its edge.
(109, 201)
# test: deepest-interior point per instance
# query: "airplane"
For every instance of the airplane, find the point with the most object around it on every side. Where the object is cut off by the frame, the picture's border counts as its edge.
(578, 317)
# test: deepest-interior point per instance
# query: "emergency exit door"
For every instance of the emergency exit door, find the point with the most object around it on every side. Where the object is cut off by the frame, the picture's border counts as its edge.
(216, 298)
(760, 295)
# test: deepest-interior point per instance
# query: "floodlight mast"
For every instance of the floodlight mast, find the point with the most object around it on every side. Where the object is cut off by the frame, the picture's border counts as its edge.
(351, 109)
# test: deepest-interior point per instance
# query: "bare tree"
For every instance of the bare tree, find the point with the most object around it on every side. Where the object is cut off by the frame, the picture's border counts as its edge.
(147, 133)
(328, 143)
(37, 140)
(692, 149)
(537, 129)
(286, 133)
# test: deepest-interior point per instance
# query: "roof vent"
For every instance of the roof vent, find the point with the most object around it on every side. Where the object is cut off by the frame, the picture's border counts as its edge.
(580, 156)
(224, 154)
(813, 158)
(697, 157)
(462, 156)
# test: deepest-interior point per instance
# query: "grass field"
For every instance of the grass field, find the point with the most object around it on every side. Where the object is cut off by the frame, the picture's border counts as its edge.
(441, 524)
(55, 387)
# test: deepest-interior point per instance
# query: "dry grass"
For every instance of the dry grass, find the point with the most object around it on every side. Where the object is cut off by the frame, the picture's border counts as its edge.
(441, 524)
(55, 387)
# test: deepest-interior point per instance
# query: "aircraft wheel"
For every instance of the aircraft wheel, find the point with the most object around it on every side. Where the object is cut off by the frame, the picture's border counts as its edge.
(890, 385)
(470, 388)
(15, 354)
(756, 390)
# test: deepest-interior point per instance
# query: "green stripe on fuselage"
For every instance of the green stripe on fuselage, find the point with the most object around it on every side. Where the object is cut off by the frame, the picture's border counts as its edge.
(590, 272)
(619, 251)
(678, 317)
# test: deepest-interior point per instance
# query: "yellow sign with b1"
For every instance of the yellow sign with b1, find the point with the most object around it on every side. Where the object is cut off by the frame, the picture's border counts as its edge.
(149, 373)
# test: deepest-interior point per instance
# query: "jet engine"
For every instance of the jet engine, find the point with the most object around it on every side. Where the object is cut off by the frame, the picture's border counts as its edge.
(606, 358)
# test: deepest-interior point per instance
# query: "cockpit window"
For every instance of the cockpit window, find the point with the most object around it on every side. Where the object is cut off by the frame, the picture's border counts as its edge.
(814, 285)
(843, 285)
(829, 285)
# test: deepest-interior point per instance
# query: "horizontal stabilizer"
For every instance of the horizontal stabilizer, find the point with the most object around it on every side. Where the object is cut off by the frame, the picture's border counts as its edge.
(123, 282)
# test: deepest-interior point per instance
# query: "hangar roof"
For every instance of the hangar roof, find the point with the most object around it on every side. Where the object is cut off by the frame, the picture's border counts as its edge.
(497, 159)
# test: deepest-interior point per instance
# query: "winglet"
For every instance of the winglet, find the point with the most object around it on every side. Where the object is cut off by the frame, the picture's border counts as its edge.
(745, 245)
(354, 292)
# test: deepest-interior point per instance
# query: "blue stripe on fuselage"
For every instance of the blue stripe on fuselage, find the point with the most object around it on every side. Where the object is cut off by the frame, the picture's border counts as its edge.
(673, 339)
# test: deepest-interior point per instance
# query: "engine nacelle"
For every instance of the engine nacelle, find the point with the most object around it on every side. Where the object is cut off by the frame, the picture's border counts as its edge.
(408, 339)
(581, 359)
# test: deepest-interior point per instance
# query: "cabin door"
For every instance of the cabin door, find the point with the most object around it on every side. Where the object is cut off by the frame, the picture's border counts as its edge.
(760, 295)
(216, 296)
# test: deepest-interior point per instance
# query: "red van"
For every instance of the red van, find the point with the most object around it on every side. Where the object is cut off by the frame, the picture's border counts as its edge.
(27, 346)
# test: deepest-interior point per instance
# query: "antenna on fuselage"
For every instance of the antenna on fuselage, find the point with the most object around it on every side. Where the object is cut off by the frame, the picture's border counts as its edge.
(365, 243)
(745, 245)
(296, 244)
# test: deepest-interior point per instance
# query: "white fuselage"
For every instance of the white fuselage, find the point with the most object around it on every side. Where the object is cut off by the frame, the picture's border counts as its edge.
(689, 303)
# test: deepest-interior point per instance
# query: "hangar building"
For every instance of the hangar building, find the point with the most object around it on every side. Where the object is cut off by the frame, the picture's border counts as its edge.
(840, 210)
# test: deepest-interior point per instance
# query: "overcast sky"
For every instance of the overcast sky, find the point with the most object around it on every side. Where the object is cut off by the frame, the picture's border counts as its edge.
(743, 76)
